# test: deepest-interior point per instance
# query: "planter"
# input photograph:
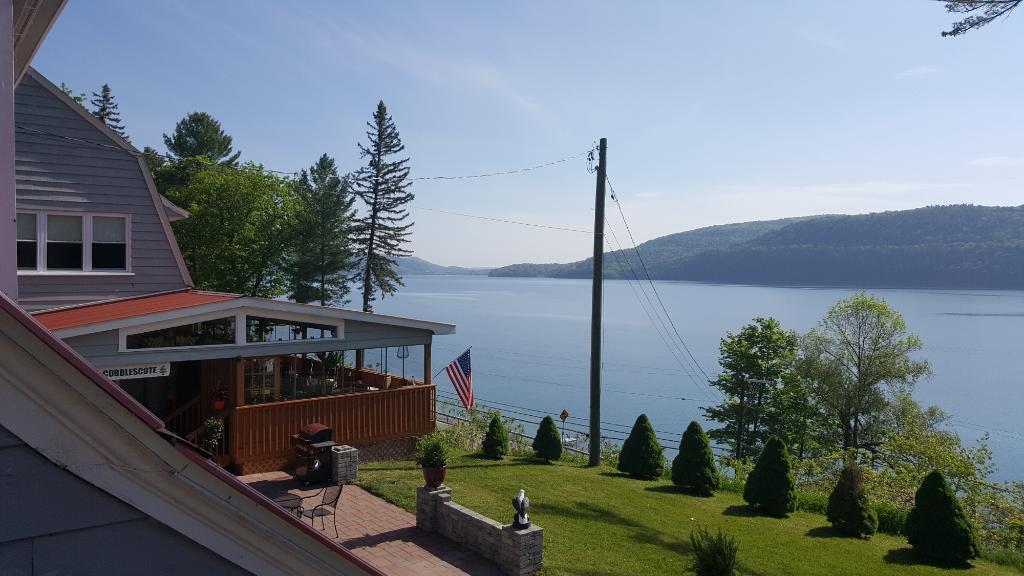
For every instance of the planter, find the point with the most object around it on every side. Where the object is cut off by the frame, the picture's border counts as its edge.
(434, 477)
(218, 404)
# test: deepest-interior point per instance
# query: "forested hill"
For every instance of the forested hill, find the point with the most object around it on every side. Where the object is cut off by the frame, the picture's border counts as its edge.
(413, 266)
(958, 246)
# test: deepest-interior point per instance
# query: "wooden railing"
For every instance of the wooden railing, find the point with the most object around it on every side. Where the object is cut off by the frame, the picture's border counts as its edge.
(263, 431)
(186, 420)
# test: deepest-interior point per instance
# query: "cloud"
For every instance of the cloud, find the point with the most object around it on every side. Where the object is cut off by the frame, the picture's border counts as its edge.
(998, 161)
(919, 71)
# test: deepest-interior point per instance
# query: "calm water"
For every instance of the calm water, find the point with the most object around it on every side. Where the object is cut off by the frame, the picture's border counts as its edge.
(530, 341)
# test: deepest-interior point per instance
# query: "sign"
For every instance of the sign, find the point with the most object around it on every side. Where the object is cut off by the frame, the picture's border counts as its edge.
(140, 371)
(564, 415)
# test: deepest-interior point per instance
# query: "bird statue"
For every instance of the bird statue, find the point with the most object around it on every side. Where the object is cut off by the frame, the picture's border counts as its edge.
(521, 503)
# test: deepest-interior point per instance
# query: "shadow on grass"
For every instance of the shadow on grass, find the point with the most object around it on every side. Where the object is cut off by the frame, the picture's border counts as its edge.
(825, 532)
(640, 533)
(905, 556)
(673, 489)
(740, 510)
(613, 474)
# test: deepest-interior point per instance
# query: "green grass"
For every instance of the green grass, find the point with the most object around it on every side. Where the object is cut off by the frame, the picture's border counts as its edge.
(599, 522)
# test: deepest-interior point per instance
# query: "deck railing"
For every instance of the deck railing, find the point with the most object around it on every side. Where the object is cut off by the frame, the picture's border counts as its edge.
(186, 420)
(263, 431)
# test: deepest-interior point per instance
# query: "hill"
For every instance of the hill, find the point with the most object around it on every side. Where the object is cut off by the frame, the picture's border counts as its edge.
(960, 246)
(413, 266)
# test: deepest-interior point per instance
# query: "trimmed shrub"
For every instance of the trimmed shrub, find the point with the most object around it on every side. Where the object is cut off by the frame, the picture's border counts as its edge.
(848, 508)
(495, 445)
(713, 554)
(771, 487)
(937, 527)
(641, 455)
(891, 520)
(811, 502)
(547, 444)
(694, 469)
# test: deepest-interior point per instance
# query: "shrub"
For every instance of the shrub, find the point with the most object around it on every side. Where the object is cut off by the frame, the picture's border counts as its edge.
(771, 487)
(713, 554)
(848, 508)
(937, 527)
(694, 467)
(891, 519)
(641, 455)
(211, 434)
(495, 445)
(811, 502)
(547, 444)
(432, 451)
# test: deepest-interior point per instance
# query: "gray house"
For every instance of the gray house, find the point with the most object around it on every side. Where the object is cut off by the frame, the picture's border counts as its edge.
(90, 223)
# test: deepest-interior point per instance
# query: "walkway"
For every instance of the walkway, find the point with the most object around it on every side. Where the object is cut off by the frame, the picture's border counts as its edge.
(382, 534)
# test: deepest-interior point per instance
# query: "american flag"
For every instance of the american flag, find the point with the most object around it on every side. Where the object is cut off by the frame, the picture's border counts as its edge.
(461, 375)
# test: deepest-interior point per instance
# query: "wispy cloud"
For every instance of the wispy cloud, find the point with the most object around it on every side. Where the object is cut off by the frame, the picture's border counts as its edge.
(918, 71)
(998, 161)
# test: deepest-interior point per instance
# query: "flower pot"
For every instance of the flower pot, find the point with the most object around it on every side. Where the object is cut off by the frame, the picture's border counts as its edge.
(434, 477)
(218, 404)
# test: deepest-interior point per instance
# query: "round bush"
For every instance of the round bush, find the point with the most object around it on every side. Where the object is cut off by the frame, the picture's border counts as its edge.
(641, 455)
(937, 527)
(693, 469)
(495, 445)
(770, 486)
(848, 508)
(547, 444)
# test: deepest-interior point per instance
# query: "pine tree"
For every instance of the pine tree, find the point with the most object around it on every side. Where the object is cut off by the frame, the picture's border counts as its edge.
(321, 261)
(694, 467)
(848, 508)
(770, 486)
(381, 232)
(200, 134)
(79, 98)
(495, 445)
(105, 109)
(937, 527)
(547, 444)
(641, 455)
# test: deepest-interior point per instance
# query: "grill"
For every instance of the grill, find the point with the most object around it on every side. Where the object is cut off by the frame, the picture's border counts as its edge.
(313, 446)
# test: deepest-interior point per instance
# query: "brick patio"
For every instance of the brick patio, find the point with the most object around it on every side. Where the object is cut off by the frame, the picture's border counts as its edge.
(380, 533)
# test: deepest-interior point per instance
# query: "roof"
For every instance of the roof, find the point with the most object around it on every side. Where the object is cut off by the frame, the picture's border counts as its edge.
(97, 312)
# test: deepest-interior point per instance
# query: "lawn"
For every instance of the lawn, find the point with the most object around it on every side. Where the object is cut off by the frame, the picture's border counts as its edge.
(599, 522)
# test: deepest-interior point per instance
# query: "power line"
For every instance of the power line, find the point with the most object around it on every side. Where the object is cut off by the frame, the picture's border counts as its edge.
(502, 220)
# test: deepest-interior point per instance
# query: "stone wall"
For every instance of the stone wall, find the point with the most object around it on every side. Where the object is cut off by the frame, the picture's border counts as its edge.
(517, 552)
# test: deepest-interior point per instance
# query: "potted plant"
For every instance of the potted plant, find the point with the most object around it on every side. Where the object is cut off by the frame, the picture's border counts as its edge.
(211, 434)
(220, 398)
(432, 455)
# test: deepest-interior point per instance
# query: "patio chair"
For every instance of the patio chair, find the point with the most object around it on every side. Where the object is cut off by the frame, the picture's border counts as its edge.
(329, 498)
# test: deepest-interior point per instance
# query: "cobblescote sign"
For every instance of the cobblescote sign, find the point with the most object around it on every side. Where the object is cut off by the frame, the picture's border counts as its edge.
(140, 371)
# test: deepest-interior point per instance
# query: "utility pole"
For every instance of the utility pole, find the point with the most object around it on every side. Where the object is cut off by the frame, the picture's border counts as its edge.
(595, 311)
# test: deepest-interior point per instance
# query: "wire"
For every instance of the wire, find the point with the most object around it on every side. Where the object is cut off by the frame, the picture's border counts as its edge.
(503, 220)
(505, 172)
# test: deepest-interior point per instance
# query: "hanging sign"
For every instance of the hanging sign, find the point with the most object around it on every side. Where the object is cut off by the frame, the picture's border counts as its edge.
(138, 371)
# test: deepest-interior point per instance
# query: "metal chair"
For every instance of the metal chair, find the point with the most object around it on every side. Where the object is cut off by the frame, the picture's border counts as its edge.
(329, 498)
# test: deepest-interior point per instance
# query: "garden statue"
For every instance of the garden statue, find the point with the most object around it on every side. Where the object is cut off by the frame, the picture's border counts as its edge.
(521, 503)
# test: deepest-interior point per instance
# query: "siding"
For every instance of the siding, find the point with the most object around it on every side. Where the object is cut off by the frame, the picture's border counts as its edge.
(55, 174)
(56, 523)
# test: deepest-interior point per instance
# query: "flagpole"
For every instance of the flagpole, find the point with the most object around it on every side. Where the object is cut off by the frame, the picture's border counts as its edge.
(438, 373)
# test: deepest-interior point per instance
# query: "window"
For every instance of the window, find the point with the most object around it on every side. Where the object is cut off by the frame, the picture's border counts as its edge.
(64, 243)
(28, 243)
(259, 380)
(109, 247)
(270, 330)
(207, 333)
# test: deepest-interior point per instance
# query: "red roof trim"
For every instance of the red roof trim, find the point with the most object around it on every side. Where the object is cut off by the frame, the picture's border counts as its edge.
(108, 310)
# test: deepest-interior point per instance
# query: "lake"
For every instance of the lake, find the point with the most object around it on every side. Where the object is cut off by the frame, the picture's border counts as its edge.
(531, 347)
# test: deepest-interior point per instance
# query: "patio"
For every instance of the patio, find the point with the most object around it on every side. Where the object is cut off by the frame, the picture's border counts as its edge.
(380, 533)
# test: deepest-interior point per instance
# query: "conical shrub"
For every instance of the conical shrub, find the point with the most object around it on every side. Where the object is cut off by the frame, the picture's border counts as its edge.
(937, 527)
(641, 455)
(693, 469)
(547, 444)
(770, 486)
(495, 445)
(848, 508)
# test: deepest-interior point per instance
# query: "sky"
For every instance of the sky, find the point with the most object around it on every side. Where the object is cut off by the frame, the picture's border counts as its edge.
(715, 112)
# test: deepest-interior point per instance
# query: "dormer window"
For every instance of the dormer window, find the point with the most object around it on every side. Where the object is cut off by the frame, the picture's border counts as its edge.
(72, 243)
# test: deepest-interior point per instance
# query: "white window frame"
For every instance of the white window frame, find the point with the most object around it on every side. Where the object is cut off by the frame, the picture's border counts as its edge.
(87, 270)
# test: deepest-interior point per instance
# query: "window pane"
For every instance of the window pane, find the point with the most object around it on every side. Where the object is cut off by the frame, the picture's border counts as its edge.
(271, 330)
(107, 229)
(64, 228)
(64, 255)
(26, 226)
(220, 331)
(26, 255)
(108, 257)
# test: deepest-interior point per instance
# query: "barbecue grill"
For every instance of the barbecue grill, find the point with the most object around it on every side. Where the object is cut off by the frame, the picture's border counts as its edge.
(313, 446)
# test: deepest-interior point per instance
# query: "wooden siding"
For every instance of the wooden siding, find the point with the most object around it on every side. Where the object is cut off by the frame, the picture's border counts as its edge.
(59, 175)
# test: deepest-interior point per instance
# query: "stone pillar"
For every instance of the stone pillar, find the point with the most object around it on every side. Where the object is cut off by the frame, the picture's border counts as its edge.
(344, 464)
(428, 500)
(522, 551)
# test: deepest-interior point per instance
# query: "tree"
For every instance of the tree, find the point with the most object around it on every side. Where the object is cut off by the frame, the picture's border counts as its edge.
(495, 444)
(321, 256)
(105, 108)
(848, 508)
(80, 97)
(858, 356)
(199, 134)
(981, 13)
(757, 363)
(641, 455)
(694, 467)
(236, 238)
(770, 486)
(381, 231)
(547, 444)
(936, 527)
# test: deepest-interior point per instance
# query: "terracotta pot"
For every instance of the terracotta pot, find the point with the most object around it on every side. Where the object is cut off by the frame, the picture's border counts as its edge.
(218, 404)
(434, 477)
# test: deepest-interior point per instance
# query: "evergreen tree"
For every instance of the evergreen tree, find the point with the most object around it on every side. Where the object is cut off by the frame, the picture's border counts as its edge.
(848, 508)
(105, 109)
(770, 486)
(694, 467)
(495, 445)
(641, 455)
(937, 527)
(199, 134)
(321, 261)
(381, 231)
(547, 444)
(80, 97)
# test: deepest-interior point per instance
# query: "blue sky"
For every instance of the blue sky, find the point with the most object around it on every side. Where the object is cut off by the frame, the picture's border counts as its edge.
(715, 112)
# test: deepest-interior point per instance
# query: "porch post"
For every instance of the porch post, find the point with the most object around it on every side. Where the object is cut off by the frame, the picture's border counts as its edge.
(239, 382)
(428, 371)
(8, 228)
